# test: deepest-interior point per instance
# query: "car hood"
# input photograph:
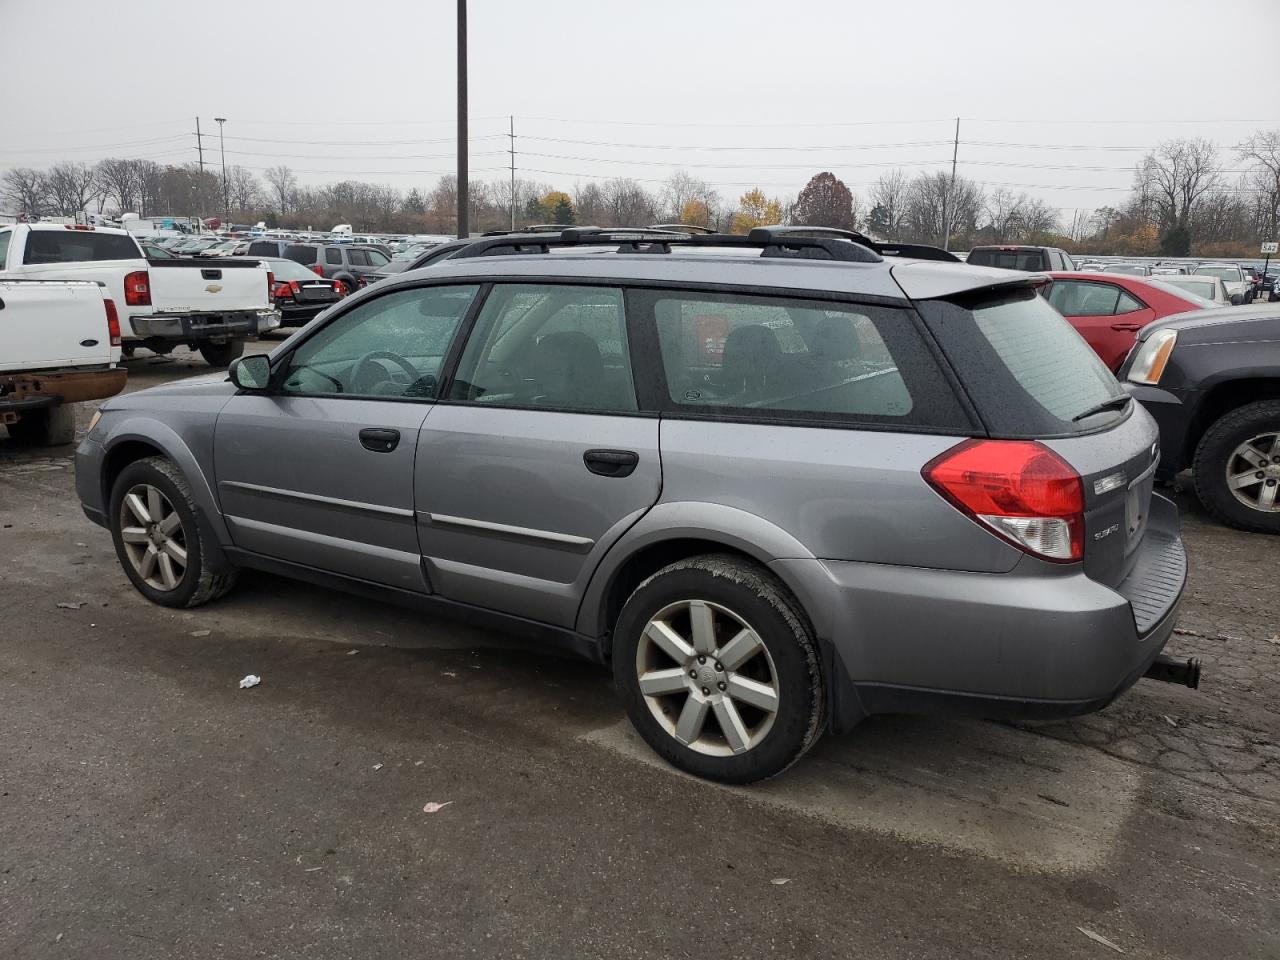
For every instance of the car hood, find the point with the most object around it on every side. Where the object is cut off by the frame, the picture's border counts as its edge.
(212, 385)
(1221, 323)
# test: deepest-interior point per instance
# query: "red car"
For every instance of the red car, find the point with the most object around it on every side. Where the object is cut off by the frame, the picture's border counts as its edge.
(1108, 309)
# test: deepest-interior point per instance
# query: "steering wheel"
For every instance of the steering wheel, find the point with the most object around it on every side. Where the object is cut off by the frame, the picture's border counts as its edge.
(363, 372)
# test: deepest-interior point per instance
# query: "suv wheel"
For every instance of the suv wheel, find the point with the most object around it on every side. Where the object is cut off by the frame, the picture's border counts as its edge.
(153, 526)
(1237, 468)
(221, 354)
(718, 670)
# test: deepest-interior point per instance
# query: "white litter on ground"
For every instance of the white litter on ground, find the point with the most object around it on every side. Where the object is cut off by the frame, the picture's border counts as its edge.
(435, 807)
(252, 680)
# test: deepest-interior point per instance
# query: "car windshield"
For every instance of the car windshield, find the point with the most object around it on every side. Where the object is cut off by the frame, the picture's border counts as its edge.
(1220, 270)
(1199, 292)
(289, 270)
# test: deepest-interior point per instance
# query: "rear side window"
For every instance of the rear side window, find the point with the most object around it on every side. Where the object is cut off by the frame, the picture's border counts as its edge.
(75, 246)
(781, 358)
(4, 246)
(1008, 259)
(333, 255)
(300, 253)
(1026, 369)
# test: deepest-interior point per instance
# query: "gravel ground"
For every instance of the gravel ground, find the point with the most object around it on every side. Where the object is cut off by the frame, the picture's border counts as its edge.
(150, 808)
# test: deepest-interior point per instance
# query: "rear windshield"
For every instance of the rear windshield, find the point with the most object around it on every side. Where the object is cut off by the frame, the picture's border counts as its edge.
(1029, 373)
(1198, 292)
(289, 270)
(1222, 272)
(1132, 269)
(265, 247)
(73, 246)
(1008, 259)
(300, 253)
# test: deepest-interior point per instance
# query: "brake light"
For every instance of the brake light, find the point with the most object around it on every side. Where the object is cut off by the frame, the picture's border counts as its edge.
(271, 280)
(76, 226)
(1019, 489)
(137, 289)
(340, 287)
(113, 321)
(283, 290)
(317, 270)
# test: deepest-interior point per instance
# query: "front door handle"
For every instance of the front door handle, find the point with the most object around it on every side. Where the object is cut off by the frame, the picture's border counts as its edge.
(379, 439)
(1127, 327)
(611, 463)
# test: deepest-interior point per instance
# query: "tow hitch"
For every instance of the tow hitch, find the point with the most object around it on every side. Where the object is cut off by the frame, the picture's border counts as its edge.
(1173, 670)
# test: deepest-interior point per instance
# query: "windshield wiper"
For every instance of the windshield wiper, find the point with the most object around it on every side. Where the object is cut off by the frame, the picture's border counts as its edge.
(1111, 403)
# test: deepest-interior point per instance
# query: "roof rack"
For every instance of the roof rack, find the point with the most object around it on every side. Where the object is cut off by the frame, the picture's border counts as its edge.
(783, 242)
(680, 228)
(886, 248)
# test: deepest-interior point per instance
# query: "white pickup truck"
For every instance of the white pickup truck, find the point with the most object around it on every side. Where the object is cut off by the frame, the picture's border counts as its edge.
(213, 306)
(59, 344)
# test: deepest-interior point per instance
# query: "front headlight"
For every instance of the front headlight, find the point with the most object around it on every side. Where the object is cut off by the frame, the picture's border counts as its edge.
(97, 415)
(1152, 357)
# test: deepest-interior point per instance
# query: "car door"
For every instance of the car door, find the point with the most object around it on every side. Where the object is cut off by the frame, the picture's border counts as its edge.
(538, 457)
(319, 470)
(1106, 314)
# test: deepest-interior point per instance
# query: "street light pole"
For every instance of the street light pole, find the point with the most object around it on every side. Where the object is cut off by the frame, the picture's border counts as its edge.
(463, 202)
(222, 146)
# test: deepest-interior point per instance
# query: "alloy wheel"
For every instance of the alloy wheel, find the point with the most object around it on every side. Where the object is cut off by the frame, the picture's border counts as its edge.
(154, 538)
(707, 678)
(1253, 473)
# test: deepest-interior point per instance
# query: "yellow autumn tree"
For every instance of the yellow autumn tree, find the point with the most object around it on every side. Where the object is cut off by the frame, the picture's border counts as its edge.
(696, 213)
(557, 207)
(756, 210)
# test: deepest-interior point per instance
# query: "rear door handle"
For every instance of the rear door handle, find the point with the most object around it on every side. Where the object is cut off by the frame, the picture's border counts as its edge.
(379, 439)
(611, 463)
(1128, 327)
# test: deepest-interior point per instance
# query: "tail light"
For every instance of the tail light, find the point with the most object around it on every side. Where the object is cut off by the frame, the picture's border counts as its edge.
(317, 270)
(137, 289)
(271, 280)
(340, 287)
(113, 321)
(1020, 490)
(284, 290)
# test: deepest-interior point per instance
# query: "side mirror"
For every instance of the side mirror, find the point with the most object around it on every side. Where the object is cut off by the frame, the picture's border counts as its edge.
(251, 373)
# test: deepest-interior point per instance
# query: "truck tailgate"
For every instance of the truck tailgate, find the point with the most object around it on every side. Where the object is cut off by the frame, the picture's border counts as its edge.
(212, 285)
(45, 324)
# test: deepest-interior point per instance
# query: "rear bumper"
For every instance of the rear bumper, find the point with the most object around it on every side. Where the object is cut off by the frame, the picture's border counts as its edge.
(1171, 415)
(1040, 641)
(292, 316)
(232, 325)
(36, 390)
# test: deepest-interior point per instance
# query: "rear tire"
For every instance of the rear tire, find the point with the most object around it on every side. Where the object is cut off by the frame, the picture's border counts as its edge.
(221, 354)
(162, 494)
(718, 669)
(1231, 448)
(50, 427)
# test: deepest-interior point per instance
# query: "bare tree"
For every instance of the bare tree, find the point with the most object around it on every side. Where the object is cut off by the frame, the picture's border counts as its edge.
(629, 204)
(283, 183)
(27, 189)
(118, 180)
(72, 187)
(1262, 153)
(243, 190)
(150, 178)
(1004, 214)
(680, 189)
(1038, 220)
(1175, 176)
(927, 204)
(888, 204)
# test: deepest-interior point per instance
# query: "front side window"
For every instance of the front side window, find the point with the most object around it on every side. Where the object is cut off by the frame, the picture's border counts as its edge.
(559, 347)
(358, 258)
(784, 358)
(390, 346)
(377, 258)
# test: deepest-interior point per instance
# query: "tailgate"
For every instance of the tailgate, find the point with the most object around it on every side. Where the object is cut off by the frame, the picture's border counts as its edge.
(1118, 468)
(210, 285)
(49, 324)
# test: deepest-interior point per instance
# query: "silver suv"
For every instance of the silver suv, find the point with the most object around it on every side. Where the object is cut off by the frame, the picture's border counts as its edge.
(779, 482)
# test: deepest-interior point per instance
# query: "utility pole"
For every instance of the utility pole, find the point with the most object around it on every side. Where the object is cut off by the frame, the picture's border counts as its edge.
(948, 200)
(200, 145)
(512, 151)
(463, 203)
(222, 146)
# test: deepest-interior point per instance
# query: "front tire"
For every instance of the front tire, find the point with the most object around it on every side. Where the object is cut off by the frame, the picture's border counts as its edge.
(1237, 467)
(221, 354)
(157, 537)
(718, 669)
(50, 427)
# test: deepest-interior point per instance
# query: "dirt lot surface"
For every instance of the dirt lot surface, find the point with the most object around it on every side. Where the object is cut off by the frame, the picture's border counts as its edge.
(151, 809)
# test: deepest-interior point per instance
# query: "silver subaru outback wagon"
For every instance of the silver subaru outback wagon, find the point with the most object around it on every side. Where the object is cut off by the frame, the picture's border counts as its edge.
(778, 484)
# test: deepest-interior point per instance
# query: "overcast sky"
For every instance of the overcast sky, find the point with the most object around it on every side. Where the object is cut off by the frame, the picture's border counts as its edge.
(737, 92)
